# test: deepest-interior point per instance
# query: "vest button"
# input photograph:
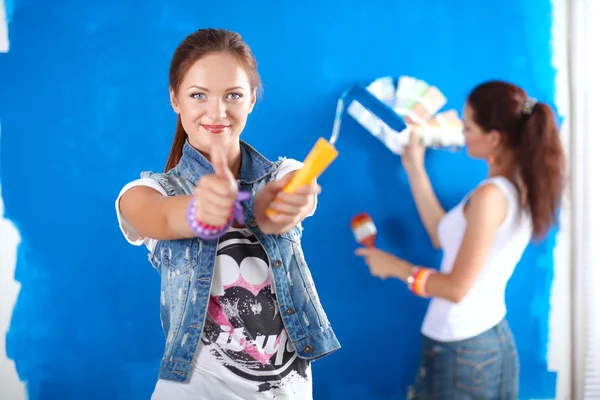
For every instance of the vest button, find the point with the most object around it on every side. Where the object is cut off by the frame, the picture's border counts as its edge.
(308, 349)
(289, 311)
(277, 264)
(253, 223)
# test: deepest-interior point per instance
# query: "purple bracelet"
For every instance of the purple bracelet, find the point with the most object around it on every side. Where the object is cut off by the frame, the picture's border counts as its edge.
(210, 232)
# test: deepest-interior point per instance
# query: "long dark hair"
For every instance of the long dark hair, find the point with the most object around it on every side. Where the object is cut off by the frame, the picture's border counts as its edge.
(193, 48)
(531, 130)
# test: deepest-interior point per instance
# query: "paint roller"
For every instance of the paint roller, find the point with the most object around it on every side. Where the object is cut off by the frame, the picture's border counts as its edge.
(324, 152)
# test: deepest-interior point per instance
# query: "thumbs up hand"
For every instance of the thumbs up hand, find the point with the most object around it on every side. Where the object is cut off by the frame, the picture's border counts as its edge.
(215, 194)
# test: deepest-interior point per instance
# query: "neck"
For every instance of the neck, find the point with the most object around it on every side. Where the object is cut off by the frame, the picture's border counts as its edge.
(248, 166)
(508, 169)
(233, 154)
(234, 159)
(504, 165)
(498, 170)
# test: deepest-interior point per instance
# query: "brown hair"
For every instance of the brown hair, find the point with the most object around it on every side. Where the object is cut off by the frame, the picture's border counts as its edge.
(531, 130)
(193, 48)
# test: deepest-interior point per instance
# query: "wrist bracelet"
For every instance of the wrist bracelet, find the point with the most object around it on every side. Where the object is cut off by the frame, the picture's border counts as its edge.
(210, 232)
(416, 282)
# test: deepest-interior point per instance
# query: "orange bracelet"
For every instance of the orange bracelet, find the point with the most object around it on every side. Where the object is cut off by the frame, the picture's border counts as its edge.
(416, 282)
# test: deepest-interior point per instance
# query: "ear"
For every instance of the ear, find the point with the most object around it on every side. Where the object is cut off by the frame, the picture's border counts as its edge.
(252, 101)
(174, 102)
(495, 138)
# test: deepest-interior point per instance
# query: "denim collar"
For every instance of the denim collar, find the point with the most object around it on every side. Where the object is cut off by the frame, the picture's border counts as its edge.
(253, 169)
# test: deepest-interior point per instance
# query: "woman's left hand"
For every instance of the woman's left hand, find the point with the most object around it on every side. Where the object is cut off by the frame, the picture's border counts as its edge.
(383, 264)
(290, 208)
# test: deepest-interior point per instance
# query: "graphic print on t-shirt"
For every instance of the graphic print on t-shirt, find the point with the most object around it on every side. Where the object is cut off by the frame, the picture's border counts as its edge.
(244, 329)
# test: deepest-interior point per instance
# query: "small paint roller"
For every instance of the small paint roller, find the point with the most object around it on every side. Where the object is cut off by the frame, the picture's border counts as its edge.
(324, 152)
(364, 229)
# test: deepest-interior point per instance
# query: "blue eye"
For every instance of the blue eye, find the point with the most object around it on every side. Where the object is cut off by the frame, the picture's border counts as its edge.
(198, 96)
(234, 96)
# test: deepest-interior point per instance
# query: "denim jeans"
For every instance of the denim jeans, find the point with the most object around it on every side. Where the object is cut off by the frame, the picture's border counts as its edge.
(483, 367)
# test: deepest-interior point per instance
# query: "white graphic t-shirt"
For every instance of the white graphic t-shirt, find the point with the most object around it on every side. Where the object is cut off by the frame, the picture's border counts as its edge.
(244, 352)
(244, 342)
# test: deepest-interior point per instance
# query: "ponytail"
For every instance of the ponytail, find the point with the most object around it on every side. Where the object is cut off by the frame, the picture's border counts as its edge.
(541, 161)
(177, 147)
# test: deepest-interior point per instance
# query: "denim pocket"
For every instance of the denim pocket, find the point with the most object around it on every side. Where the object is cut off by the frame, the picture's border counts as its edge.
(477, 370)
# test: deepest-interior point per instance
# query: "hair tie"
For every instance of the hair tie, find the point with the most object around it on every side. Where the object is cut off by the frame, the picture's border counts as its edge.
(528, 106)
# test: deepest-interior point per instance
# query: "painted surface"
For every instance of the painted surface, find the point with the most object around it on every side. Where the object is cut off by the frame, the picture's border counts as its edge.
(84, 108)
(12, 387)
(5, 10)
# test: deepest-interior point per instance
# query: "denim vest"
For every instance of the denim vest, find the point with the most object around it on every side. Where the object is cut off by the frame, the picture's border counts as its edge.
(186, 268)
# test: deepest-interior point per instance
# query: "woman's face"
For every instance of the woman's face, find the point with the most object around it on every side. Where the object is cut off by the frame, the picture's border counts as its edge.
(213, 101)
(479, 144)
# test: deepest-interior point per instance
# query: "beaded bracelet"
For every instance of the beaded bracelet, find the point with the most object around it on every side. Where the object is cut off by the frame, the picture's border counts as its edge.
(416, 282)
(209, 232)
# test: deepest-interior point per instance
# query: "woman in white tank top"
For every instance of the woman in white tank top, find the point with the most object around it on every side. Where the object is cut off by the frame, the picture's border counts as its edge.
(468, 349)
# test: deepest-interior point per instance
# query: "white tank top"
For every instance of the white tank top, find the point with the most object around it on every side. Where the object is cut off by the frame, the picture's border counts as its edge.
(484, 306)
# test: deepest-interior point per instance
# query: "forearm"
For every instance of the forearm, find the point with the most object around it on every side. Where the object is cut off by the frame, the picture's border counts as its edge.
(154, 215)
(444, 286)
(175, 212)
(437, 285)
(428, 206)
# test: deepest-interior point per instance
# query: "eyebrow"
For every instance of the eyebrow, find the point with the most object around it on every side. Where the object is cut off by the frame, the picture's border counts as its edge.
(206, 90)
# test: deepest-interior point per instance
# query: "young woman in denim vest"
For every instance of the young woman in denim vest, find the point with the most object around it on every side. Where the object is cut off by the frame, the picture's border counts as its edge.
(240, 312)
(468, 348)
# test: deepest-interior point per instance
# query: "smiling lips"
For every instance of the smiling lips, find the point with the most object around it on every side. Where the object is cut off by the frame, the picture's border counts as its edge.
(216, 129)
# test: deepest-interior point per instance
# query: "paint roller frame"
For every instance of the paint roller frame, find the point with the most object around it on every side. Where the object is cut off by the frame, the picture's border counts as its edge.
(324, 153)
(396, 121)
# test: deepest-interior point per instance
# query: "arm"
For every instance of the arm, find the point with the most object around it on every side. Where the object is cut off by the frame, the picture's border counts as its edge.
(428, 206)
(153, 215)
(485, 212)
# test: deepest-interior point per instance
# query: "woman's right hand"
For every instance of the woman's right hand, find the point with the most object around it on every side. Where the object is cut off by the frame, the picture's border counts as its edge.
(414, 154)
(216, 193)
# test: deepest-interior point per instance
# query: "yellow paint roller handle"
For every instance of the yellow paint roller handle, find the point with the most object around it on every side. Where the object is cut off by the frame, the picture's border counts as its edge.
(320, 157)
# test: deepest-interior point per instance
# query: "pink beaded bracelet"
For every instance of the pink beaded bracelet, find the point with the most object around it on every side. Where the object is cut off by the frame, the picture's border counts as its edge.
(210, 232)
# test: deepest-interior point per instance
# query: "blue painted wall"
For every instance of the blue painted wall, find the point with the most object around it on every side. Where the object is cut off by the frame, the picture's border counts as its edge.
(84, 108)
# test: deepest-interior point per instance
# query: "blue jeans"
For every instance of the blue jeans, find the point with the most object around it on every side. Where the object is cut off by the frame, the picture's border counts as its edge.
(483, 367)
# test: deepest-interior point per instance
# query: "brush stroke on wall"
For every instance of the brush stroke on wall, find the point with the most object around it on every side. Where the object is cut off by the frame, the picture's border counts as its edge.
(12, 387)
(92, 110)
(4, 19)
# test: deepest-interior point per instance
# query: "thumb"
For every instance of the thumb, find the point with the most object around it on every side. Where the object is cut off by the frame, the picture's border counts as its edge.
(414, 137)
(282, 182)
(362, 251)
(219, 162)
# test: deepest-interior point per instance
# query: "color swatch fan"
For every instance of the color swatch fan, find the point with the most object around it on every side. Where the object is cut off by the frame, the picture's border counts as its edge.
(418, 103)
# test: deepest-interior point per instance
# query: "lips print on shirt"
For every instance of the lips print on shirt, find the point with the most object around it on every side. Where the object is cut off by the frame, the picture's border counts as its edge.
(243, 326)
